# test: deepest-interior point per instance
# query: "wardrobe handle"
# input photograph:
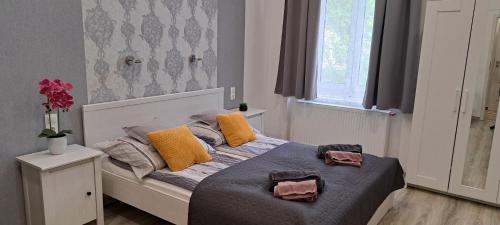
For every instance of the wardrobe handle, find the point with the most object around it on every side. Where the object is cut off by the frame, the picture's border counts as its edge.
(466, 101)
(457, 100)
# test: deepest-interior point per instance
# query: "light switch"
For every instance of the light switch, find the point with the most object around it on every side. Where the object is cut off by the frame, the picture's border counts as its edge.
(233, 93)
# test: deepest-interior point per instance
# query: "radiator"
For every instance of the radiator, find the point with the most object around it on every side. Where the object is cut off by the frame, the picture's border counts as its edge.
(318, 124)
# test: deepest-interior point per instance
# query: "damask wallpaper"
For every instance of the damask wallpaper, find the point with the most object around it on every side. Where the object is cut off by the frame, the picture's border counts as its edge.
(162, 33)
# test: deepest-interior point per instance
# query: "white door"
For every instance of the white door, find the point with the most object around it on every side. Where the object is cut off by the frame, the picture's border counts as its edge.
(442, 65)
(70, 195)
(475, 172)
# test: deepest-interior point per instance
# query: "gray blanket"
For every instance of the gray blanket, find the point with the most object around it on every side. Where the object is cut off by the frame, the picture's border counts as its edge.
(240, 195)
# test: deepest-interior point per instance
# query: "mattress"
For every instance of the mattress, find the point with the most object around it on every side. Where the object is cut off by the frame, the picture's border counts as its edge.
(109, 167)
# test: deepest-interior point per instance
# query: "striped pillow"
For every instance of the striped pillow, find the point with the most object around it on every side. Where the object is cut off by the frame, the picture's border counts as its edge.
(208, 134)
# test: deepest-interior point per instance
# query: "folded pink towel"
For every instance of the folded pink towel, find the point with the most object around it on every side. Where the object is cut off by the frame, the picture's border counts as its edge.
(343, 158)
(295, 188)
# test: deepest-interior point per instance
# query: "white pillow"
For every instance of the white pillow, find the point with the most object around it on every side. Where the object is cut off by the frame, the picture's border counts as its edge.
(143, 159)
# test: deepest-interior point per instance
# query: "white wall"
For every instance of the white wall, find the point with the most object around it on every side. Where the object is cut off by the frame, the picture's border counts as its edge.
(263, 24)
(399, 137)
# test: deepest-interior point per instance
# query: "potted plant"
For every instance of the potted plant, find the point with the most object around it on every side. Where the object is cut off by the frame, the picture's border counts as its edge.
(58, 100)
(243, 107)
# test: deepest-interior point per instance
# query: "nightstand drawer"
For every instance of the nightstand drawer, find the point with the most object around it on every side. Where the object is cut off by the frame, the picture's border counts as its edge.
(70, 194)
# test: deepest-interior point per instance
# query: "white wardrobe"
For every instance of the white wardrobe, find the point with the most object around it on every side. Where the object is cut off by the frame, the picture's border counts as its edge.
(454, 145)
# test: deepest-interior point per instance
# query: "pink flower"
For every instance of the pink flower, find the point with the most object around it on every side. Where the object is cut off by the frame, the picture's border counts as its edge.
(68, 87)
(43, 83)
(57, 94)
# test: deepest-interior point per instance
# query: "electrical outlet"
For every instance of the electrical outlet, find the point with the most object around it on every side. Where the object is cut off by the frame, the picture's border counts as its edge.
(233, 93)
(51, 122)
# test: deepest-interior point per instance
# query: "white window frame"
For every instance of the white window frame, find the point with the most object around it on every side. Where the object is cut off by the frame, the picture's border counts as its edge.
(353, 70)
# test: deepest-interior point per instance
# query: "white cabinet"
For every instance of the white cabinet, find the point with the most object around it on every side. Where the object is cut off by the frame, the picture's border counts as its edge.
(255, 117)
(442, 65)
(475, 171)
(62, 189)
(454, 146)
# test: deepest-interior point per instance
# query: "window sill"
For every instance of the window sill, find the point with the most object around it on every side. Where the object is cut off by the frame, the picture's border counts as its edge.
(347, 108)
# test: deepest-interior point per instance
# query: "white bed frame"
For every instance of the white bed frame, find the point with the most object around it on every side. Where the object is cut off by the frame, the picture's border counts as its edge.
(103, 122)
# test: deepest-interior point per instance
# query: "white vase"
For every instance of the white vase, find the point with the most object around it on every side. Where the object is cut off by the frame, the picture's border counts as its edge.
(57, 146)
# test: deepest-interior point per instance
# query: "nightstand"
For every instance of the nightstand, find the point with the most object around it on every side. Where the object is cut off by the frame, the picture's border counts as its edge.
(63, 189)
(255, 117)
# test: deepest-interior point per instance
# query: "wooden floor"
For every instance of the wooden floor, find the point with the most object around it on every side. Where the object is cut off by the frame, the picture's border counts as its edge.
(118, 213)
(411, 207)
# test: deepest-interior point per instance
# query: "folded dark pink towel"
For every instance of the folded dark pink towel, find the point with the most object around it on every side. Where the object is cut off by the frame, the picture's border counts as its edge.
(297, 191)
(343, 158)
(292, 187)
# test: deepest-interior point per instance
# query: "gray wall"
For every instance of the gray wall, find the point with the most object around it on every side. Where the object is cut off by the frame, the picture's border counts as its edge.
(38, 39)
(44, 39)
(231, 46)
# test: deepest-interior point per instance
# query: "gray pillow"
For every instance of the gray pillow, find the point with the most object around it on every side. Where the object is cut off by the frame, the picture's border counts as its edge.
(206, 146)
(209, 117)
(140, 132)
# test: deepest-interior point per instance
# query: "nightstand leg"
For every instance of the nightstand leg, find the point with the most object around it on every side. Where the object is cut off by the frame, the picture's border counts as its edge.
(98, 187)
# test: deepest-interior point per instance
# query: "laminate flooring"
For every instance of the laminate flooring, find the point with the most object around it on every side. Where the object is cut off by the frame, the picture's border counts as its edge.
(417, 207)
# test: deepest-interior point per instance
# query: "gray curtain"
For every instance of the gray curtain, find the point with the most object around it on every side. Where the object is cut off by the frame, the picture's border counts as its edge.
(394, 57)
(299, 47)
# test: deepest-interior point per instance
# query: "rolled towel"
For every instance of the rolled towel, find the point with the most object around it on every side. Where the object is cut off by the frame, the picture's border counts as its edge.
(296, 175)
(343, 158)
(322, 149)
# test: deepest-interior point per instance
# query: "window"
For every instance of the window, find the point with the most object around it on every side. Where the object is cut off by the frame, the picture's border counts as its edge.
(345, 54)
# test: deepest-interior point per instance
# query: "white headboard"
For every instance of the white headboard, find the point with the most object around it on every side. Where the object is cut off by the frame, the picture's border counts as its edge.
(104, 121)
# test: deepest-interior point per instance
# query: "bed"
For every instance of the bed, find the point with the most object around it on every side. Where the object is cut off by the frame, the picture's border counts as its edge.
(170, 202)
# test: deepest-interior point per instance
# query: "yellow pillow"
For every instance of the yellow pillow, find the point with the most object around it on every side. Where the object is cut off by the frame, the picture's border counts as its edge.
(235, 128)
(178, 147)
